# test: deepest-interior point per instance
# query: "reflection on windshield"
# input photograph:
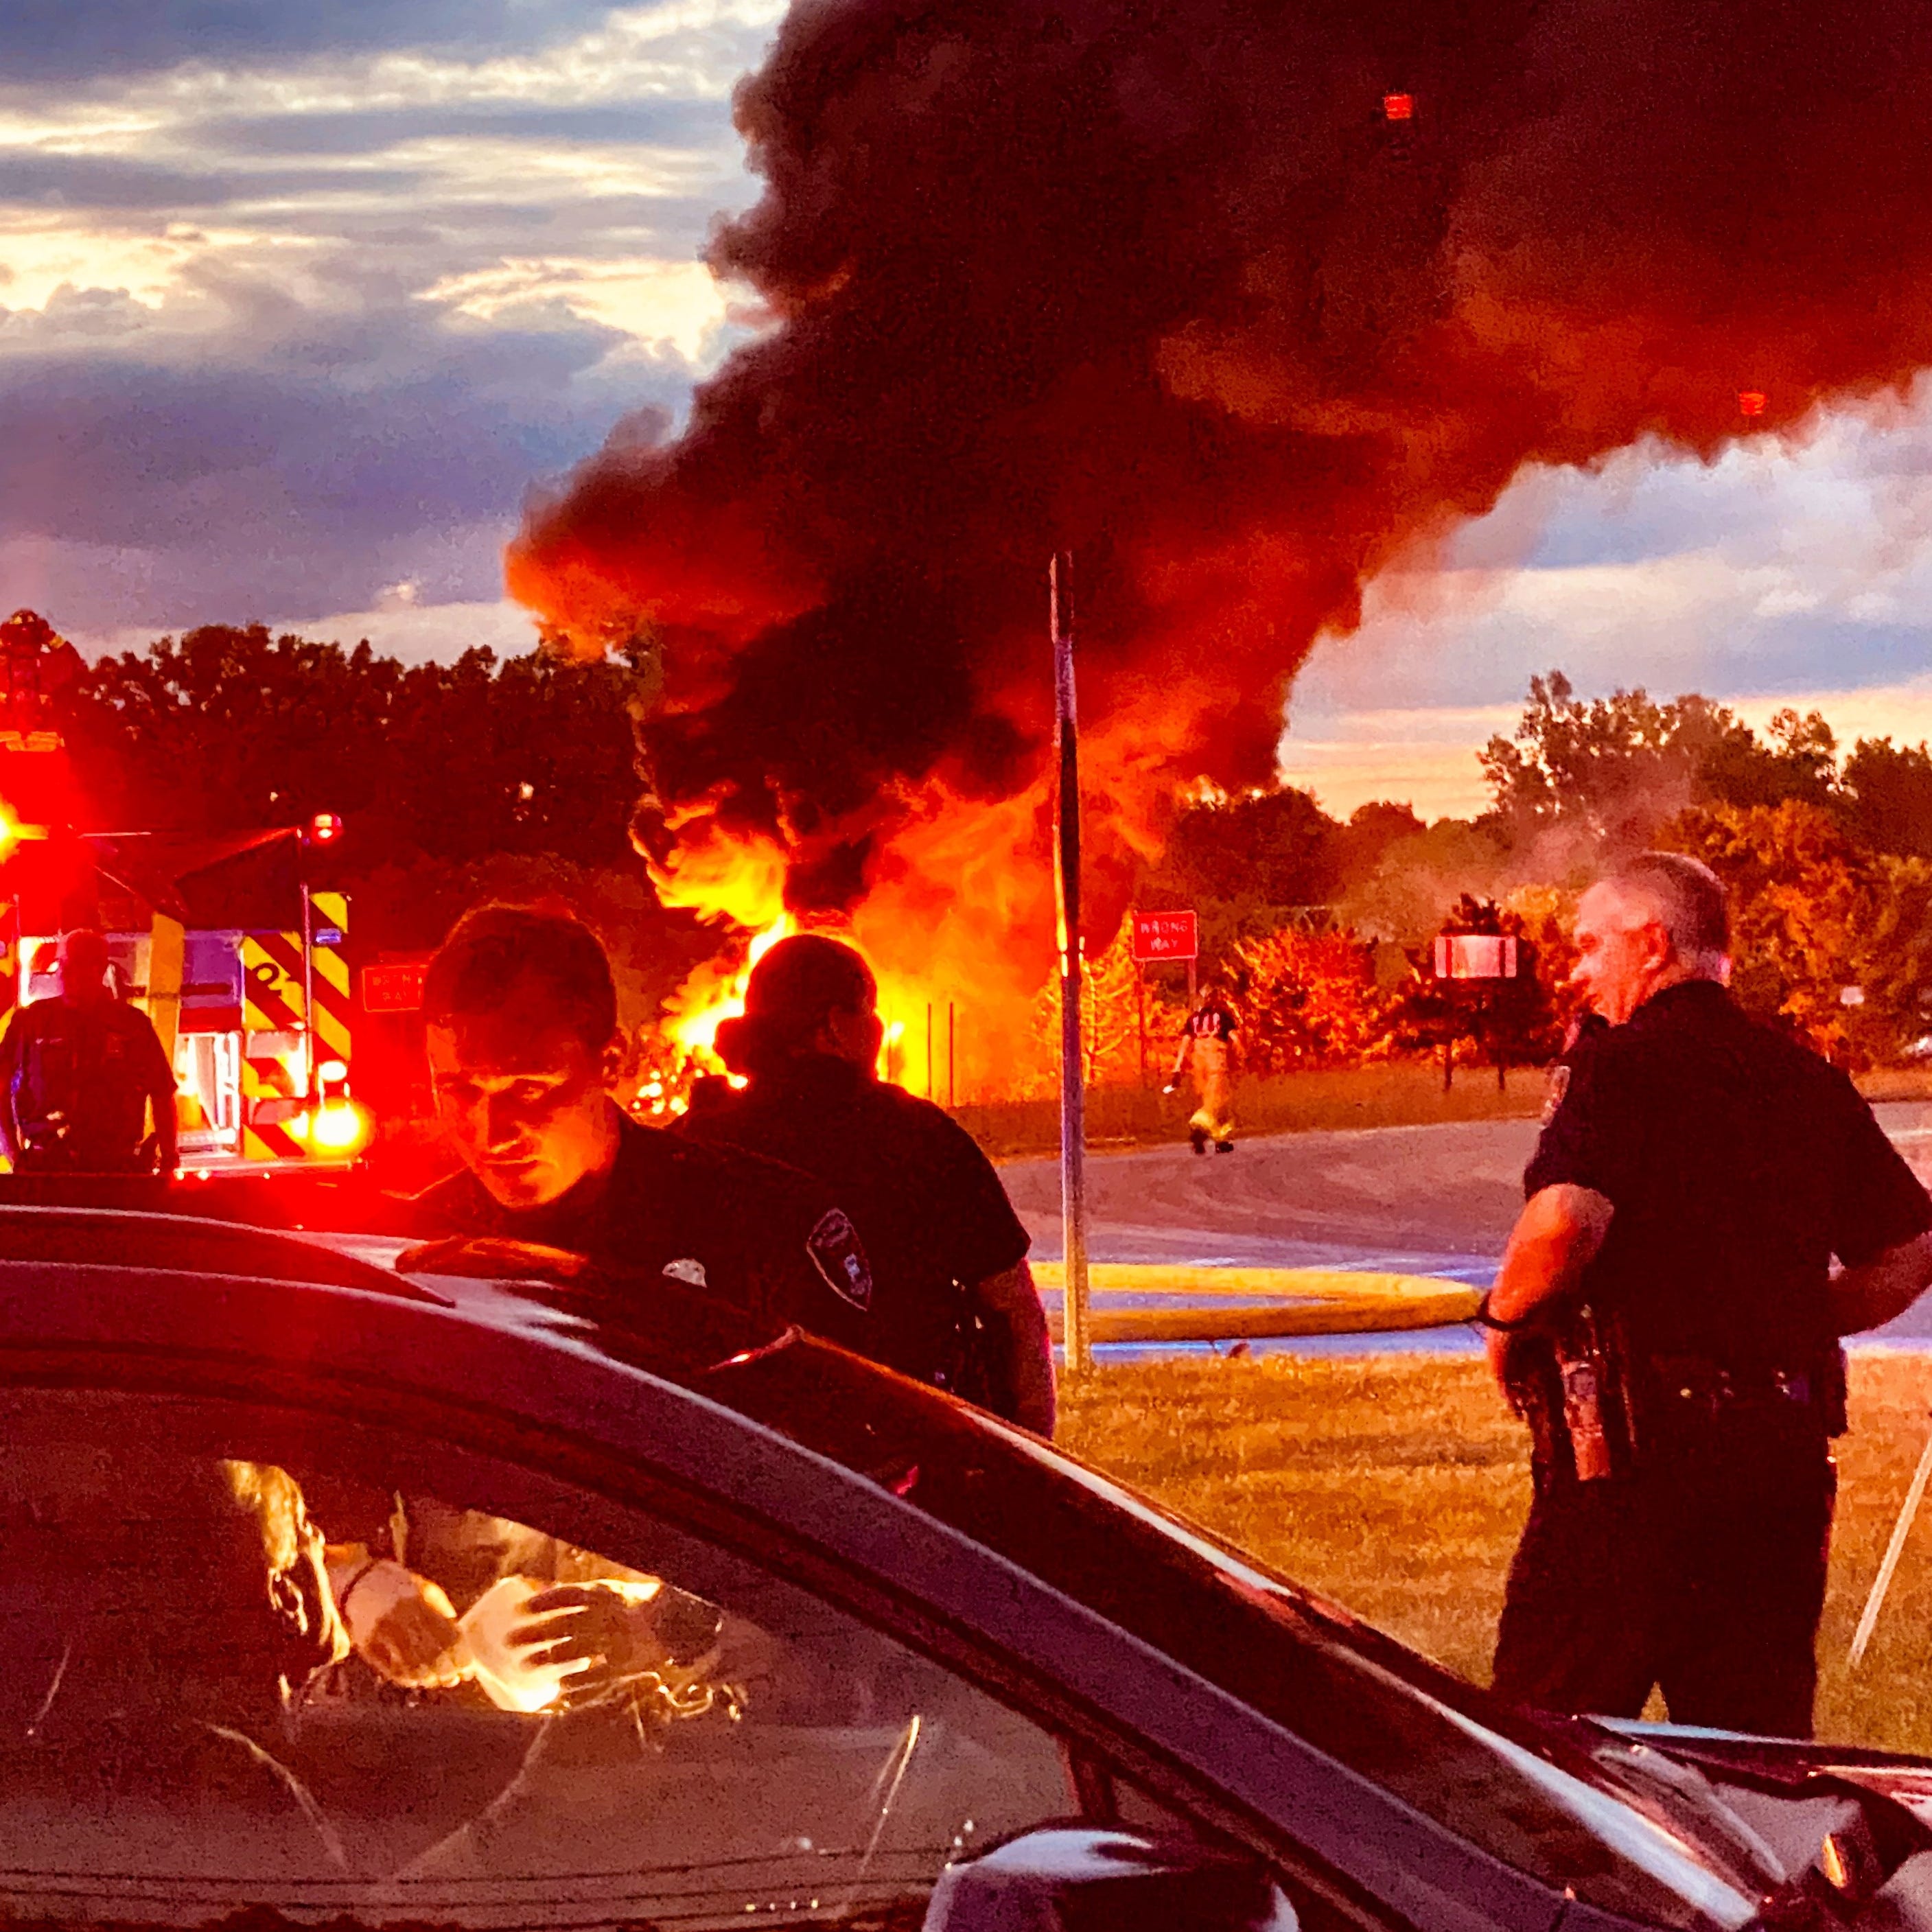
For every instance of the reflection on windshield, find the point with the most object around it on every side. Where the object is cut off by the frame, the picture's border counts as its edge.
(232, 1685)
(1524, 1794)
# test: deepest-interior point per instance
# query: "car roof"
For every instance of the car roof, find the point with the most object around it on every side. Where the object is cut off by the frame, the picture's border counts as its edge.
(1303, 1664)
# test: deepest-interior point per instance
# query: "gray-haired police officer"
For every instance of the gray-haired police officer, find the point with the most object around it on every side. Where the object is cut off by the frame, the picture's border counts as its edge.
(1666, 1318)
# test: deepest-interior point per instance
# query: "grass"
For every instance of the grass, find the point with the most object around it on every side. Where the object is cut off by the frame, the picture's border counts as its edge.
(1401, 1094)
(1397, 1484)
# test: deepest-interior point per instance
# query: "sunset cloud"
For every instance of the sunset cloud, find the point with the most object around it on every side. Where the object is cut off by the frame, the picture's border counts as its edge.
(297, 303)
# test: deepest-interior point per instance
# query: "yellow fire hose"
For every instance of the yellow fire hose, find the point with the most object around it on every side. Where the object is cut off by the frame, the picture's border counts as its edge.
(1266, 1303)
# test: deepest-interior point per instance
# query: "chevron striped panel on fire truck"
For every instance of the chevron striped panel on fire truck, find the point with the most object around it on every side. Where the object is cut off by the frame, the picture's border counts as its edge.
(335, 1003)
(273, 1016)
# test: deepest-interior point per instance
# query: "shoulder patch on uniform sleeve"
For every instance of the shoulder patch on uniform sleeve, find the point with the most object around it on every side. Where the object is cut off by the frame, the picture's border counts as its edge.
(839, 1255)
(1555, 1087)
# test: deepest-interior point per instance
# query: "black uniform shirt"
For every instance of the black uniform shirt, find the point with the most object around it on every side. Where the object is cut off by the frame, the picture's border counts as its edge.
(744, 1233)
(95, 1062)
(1739, 1163)
(929, 1206)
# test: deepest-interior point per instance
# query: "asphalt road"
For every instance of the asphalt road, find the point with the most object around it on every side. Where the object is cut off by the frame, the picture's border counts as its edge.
(1435, 1200)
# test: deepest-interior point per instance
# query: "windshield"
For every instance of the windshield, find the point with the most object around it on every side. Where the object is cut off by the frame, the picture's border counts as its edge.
(1523, 1791)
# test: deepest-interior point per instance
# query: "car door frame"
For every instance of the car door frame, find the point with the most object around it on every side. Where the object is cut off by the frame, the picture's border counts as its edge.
(525, 1391)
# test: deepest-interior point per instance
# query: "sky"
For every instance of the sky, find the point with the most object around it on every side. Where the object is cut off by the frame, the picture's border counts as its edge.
(299, 298)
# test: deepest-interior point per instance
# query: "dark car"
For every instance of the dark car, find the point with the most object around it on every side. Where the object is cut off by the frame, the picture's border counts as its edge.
(890, 1660)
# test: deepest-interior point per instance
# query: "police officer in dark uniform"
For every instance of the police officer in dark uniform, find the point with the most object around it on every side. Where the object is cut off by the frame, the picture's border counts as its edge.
(956, 1304)
(78, 1075)
(1666, 1319)
(521, 1019)
(689, 1247)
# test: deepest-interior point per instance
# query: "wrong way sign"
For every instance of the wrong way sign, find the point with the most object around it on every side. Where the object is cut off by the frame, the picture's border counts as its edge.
(1166, 935)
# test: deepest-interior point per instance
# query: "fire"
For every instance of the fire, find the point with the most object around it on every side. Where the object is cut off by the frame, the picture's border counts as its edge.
(695, 1027)
(955, 914)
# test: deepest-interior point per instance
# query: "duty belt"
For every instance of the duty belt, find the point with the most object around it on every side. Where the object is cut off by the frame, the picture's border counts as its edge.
(1691, 1383)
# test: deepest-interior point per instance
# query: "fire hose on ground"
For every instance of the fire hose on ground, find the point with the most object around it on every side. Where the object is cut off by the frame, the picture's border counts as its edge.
(1135, 1302)
(1144, 1303)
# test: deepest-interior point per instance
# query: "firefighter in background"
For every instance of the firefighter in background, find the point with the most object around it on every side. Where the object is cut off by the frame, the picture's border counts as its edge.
(1207, 1051)
(78, 1074)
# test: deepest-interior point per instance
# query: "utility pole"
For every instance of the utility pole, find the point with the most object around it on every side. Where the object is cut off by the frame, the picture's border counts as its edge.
(1073, 1068)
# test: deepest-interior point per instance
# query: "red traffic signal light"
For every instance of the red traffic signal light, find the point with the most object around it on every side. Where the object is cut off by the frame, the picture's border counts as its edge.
(324, 829)
(1398, 106)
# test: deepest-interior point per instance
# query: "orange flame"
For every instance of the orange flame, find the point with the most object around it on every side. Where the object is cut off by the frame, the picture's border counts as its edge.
(709, 998)
(956, 919)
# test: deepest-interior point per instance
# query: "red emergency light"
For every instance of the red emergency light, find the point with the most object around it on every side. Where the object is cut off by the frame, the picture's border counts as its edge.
(1398, 106)
(1750, 402)
(324, 828)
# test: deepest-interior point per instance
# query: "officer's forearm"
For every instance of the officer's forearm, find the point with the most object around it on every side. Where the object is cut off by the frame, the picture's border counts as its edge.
(1011, 1307)
(1556, 1236)
(1870, 1295)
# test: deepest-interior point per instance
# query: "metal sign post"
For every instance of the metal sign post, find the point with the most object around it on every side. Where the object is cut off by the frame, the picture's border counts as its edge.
(1072, 1070)
(1162, 936)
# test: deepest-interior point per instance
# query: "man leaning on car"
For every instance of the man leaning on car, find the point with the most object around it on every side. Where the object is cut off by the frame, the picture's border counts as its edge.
(521, 1016)
(1667, 1320)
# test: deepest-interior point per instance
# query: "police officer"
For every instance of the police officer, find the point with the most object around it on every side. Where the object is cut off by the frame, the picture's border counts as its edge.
(690, 1246)
(1666, 1318)
(521, 1019)
(1207, 1048)
(956, 1304)
(78, 1074)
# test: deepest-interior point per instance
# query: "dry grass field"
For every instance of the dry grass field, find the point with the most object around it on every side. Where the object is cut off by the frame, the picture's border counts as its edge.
(1399, 1093)
(1396, 1484)
(1396, 1094)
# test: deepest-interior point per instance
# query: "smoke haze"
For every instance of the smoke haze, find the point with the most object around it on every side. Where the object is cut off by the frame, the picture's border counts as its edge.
(1162, 284)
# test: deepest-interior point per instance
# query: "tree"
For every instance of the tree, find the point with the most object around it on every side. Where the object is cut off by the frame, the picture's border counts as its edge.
(1371, 830)
(1887, 802)
(1617, 767)
(1421, 879)
(228, 730)
(1814, 914)
(1110, 993)
(1309, 999)
(1516, 1021)
(1242, 863)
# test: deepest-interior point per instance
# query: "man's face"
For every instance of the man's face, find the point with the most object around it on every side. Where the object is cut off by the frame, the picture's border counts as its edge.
(524, 1101)
(1622, 952)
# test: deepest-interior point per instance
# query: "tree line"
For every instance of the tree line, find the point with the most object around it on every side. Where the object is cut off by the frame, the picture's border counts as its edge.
(1321, 926)
(517, 776)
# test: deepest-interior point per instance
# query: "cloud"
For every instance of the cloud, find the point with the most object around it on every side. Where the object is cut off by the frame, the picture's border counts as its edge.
(72, 40)
(1794, 571)
(1784, 565)
(296, 304)
(660, 123)
(289, 466)
(107, 183)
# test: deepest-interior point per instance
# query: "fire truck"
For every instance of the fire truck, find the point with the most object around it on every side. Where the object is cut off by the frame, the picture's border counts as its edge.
(238, 956)
(235, 947)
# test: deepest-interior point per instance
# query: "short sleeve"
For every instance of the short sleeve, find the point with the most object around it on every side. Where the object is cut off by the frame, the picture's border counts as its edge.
(982, 1235)
(1594, 1138)
(1881, 1203)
